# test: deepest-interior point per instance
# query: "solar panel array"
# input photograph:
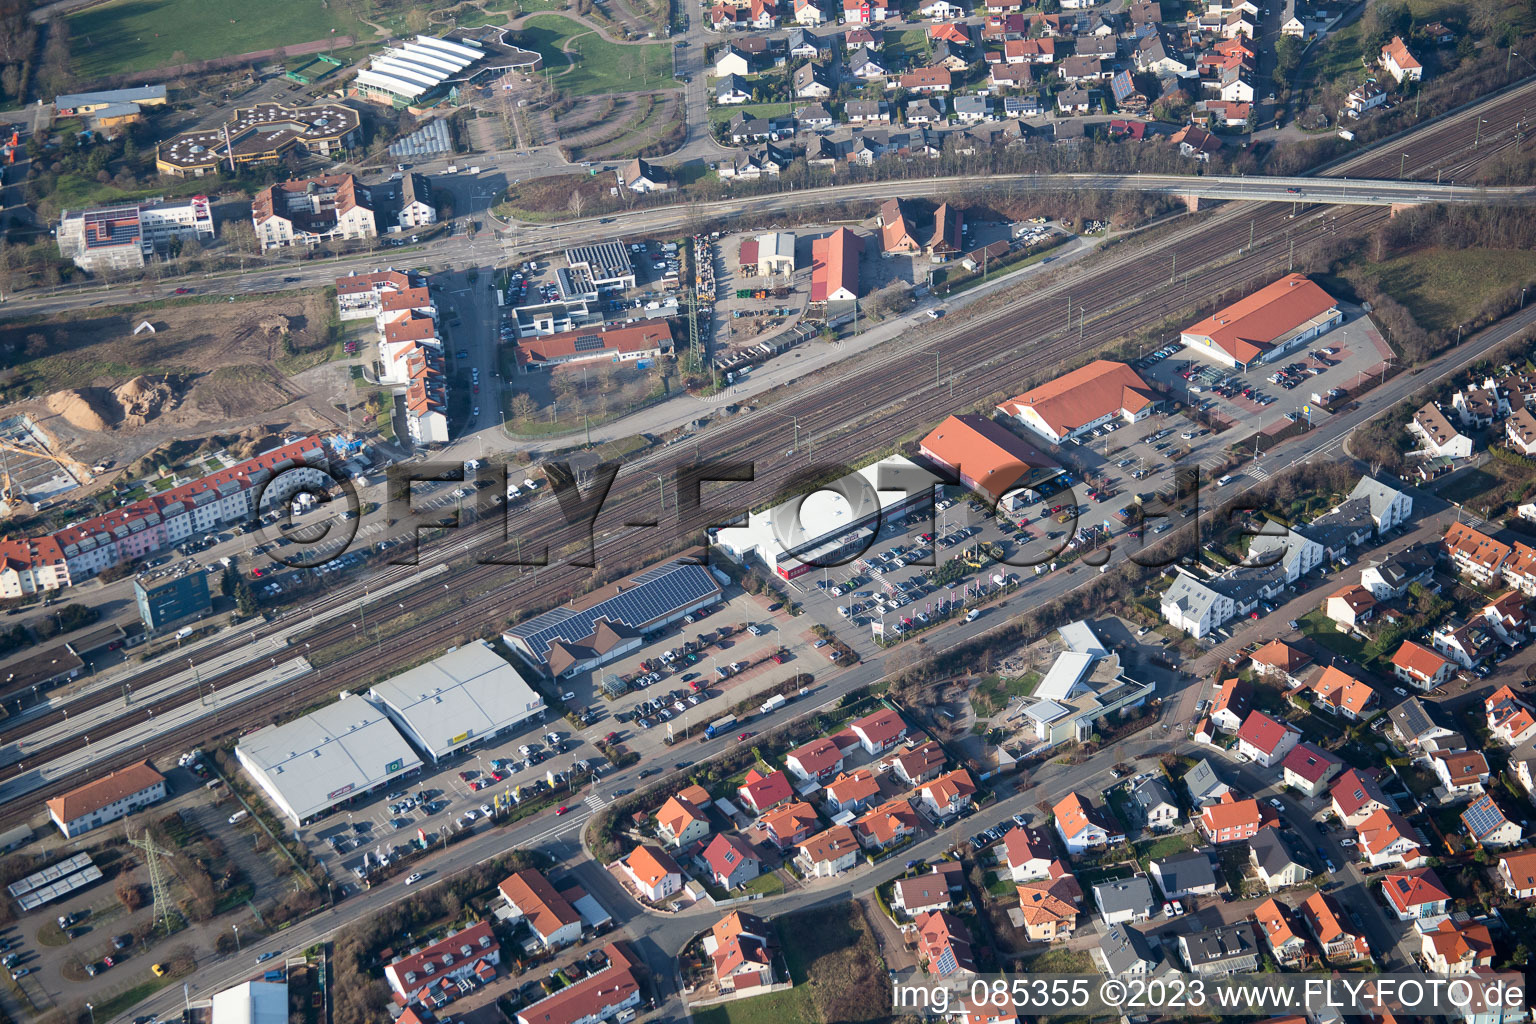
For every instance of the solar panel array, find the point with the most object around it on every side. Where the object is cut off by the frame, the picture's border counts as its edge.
(58, 890)
(1482, 816)
(52, 873)
(652, 595)
(54, 882)
(588, 342)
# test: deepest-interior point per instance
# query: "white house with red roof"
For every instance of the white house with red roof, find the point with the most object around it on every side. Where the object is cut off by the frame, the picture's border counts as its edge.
(1518, 873)
(731, 861)
(1326, 923)
(1421, 667)
(1229, 708)
(1028, 854)
(828, 853)
(887, 824)
(853, 791)
(455, 957)
(740, 946)
(1356, 796)
(1486, 822)
(654, 873)
(1508, 618)
(1385, 837)
(880, 731)
(551, 918)
(1232, 820)
(1308, 767)
(1264, 740)
(949, 794)
(919, 764)
(1415, 893)
(1399, 63)
(1462, 773)
(762, 793)
(821, 759)
(1084, 827)
(1509, 718)
(597, 997)
(922, 894)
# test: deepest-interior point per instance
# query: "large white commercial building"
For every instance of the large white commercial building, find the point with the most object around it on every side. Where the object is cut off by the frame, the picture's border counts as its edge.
(467, 695)
(406, 74)
(833, 524)
(255, 1002)
(311, 765)
(125, 236)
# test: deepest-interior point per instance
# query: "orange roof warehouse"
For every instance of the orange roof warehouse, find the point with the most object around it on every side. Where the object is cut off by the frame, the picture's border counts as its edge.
(1076, 402)
(987, 457)
(1261, 327)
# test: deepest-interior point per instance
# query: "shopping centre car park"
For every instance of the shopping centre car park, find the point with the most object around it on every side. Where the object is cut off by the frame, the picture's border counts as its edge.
(391, 819)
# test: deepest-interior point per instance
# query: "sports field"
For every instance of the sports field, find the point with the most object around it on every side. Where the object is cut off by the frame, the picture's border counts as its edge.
(134, 35)
(593, 64)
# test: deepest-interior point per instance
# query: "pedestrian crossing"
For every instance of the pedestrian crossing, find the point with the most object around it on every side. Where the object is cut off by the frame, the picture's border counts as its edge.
(1257, 471)
(595, 801)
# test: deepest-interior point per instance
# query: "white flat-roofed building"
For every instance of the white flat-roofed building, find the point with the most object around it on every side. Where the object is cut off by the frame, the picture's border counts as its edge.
(255, 1002)
(1064, 675)
(467, 695)
(833, 523)
(405, 74)
(312, 764)
(125, 236)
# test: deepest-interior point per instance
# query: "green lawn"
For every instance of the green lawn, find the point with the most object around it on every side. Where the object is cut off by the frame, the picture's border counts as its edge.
(1336, 59)
(596, 65)
(913, 43)
(132, 35)
(792, 1007)
(1324, 630)
(1444, 287)
(720, 115)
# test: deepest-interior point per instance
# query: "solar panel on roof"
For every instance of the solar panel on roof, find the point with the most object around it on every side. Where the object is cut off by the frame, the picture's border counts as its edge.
(588, 342)
(1483, 816)
(650, 596)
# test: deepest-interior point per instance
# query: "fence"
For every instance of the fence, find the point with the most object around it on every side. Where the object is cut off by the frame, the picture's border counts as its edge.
(759, 990)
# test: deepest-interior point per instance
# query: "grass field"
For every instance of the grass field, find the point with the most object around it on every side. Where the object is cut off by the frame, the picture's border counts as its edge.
(594, 64)
(1443, 287)
(720, 115)
(792, 1007)
(131, 35)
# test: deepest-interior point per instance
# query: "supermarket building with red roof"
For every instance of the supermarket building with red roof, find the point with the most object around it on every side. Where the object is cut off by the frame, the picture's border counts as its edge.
(1262, 327)
(987, 457)
(1077, 402)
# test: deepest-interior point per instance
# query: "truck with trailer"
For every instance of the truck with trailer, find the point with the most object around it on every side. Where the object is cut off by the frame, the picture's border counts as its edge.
(719, 727)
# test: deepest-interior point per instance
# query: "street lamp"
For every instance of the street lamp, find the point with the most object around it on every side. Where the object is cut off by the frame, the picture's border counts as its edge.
(237, 937)
(92, 1011)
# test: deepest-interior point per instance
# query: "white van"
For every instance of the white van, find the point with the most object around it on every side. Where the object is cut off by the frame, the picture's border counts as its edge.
(239, 816)
(1224, 480)
(842, 610)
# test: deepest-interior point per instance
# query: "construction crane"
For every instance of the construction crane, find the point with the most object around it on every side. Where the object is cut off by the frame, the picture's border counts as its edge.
(74, 466)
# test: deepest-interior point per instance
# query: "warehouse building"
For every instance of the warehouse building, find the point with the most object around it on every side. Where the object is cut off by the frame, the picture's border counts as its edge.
(1265, 325)
(260, 134)
(613, 621)
(167, 603)
(312, 765)
(988, 458)
(97, 803)
(1075, 403)
(621, 343)
(593, 270)
(125, 236)
(468, 695)
(835, 267)
(84, 104)
(834, 524)
(253, 1002)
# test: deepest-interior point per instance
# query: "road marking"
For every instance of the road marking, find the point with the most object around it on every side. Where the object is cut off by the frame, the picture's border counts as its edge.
(595, 801)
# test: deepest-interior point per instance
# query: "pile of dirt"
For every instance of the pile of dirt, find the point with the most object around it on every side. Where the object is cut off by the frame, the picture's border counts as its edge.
(275, 324)
(142, 399)
(78, 408)
(127, 406)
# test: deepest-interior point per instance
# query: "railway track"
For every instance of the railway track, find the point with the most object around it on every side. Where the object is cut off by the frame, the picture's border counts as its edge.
(991, 352)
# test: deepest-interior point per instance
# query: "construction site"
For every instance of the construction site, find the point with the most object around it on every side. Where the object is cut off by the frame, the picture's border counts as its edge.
(30, 472)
